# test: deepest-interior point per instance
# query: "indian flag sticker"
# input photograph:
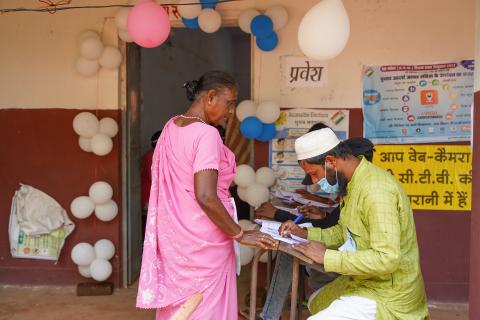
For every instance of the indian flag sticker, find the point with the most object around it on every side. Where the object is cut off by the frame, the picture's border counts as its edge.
(369, 72)
(337, 117)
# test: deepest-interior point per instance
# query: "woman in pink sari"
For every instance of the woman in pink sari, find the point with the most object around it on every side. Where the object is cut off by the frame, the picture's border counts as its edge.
(188, 244)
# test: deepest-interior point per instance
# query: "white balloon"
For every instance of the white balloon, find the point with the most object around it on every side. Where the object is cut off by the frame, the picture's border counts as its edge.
(84, 271)
(91, 48)
(108, 126)
(85, 144)
(104, 249)
(257, 194)
(82, 207)
(245, 175)
(121, 18)
(107, 211)
(268, 111)
(83, 254)
(88, 34)
(242, 193)
(209, 20)
(245, 19)
(123, 34)
(246, 254)
(100, 192)
(323, 32)
(189, 11)
(100, 269)
(85, 124)
(87, 68)
(246, 108)
(264, 257)
(279, 16)
(111, 58)
(101, 144)
(265, 176)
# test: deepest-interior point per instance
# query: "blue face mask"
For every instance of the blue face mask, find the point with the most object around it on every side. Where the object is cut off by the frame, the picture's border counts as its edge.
(327, 187)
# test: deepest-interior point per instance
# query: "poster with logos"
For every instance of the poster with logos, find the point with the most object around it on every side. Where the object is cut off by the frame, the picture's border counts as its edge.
(435, 177)
(418, 103)
(292, 124)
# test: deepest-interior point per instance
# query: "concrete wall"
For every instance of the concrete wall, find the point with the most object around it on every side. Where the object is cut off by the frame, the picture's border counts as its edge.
(36, 72)
(38, 50)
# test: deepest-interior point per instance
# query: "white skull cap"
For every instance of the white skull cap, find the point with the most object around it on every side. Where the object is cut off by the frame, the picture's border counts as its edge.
(315, 143)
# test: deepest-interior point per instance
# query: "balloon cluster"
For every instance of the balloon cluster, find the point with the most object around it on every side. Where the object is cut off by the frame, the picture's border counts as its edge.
(99, 199)
(93, 55)
(95, 136)
(200, 16)
(253, 186)
(264, 26)
(92, 261)
(257, 122)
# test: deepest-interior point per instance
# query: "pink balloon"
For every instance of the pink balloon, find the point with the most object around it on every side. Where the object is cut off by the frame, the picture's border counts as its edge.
(148, 24)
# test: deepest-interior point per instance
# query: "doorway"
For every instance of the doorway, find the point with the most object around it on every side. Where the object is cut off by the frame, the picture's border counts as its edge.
(155, 93)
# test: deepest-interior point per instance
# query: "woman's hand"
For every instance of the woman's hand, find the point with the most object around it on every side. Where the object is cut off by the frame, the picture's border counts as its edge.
(255, 238)
(312, 212)
(288, 228)
(313, 249)
(266, 210)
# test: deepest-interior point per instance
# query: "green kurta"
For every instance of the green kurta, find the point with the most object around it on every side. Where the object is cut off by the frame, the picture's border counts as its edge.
(385, 266)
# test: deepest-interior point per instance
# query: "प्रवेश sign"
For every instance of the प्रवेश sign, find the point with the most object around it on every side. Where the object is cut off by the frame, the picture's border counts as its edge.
(427, 103)
(435, 177)
(302, 72)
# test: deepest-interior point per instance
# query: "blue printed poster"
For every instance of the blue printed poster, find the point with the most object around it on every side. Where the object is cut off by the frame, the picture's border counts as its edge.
(418, 103)
(292, 124)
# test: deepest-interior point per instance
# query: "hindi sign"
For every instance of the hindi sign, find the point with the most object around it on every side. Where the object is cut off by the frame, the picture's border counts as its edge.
(418, 103)
(302, 72)
(292, 124)
(435, 177)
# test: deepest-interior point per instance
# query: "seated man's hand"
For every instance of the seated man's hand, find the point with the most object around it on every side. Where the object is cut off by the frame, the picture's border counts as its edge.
(288, 228)
(313, 249)
(266, 210)
(312, 212)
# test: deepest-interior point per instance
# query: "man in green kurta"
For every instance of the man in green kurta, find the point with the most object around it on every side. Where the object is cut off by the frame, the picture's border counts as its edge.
(374, 246)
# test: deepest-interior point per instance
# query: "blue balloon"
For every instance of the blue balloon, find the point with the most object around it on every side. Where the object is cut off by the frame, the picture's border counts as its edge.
(209, 4)
(261, 26)
(251, 127)
(268, 132)
(191, 23)
(269, 43)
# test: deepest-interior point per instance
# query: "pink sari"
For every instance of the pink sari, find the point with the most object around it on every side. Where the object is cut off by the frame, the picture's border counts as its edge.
(184, 251)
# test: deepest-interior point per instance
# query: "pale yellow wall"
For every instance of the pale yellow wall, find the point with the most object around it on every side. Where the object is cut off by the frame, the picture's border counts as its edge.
(38, 50)
(382, 32)
(37, 56)
(477, 44)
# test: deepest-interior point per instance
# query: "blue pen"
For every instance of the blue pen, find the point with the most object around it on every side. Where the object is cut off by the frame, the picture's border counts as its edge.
(298, 218)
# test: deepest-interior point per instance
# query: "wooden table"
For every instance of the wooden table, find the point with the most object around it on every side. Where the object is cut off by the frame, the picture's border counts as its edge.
(297, 259)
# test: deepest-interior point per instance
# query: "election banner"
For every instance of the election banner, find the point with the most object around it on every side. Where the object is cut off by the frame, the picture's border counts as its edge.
(418, 103)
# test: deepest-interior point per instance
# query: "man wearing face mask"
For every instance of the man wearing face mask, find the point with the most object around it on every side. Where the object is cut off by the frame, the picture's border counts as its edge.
(373, 247)
(282, 275)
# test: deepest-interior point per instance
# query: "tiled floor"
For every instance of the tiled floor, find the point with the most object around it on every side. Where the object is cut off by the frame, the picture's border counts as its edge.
(52, 303)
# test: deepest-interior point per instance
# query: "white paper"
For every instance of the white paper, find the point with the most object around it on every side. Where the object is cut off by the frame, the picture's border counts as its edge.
(271, 228)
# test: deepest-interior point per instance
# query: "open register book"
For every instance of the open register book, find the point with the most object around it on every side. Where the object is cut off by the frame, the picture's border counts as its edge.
(271, 228)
